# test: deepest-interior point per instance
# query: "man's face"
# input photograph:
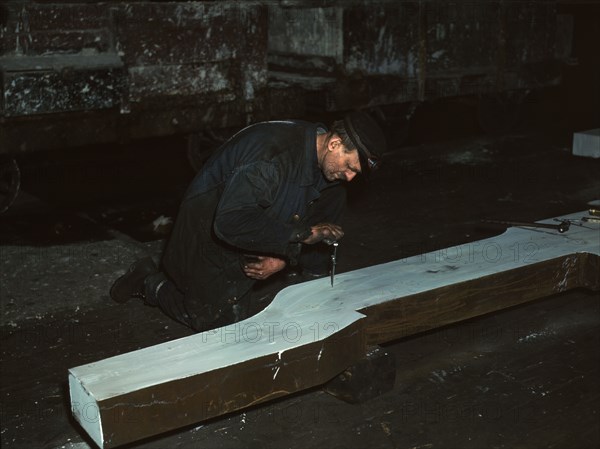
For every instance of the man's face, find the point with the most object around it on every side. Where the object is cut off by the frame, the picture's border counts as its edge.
(340, 164)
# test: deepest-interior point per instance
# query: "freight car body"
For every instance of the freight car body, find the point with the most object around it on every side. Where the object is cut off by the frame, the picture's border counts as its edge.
(97, 72)
(75, 73)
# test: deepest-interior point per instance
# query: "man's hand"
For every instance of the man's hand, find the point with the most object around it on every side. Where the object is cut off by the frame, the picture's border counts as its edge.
(263, 267)
(324, 231)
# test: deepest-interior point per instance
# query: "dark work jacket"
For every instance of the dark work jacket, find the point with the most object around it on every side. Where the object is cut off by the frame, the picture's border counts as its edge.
(258, 186)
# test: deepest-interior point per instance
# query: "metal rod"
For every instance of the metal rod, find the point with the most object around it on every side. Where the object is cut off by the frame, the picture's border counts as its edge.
(562, 227)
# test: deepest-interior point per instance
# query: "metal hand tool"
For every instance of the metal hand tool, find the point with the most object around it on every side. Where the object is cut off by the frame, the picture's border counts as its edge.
(591, 219)
(562, 227)
(333, 260)
(571, 222)
(334, 244)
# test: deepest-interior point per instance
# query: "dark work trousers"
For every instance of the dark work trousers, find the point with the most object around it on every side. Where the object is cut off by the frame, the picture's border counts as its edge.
(202, 284)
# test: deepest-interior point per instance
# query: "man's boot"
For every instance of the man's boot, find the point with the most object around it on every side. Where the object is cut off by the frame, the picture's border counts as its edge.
(131, 284)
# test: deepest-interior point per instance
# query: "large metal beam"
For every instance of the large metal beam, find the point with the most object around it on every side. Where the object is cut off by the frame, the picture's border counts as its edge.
(311, 331)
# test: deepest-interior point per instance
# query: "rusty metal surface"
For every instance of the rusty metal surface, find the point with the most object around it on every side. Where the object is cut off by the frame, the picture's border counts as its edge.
(161, 68)
(156, 68)
(52, 84)
(394, 52)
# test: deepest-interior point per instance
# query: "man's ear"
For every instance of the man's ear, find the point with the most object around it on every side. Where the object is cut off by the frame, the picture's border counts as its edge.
(334, 142)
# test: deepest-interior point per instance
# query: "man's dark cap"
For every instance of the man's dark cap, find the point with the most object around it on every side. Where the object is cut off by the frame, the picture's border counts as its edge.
(368, 138)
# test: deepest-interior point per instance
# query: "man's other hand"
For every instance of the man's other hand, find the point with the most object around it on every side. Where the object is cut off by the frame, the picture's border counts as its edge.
(324, 231)
(263, 267)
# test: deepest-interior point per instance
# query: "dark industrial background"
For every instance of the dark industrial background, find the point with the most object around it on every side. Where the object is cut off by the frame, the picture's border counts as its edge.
(108, 109)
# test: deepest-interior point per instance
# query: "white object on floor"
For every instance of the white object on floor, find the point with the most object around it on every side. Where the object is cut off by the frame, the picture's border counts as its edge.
(587, 143)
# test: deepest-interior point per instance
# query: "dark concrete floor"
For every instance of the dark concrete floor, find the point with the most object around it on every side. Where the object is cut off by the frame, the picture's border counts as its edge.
(524, 377)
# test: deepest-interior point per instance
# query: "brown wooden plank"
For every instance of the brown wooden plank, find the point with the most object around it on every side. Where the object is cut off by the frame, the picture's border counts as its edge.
(443, 306)
(311, 331)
